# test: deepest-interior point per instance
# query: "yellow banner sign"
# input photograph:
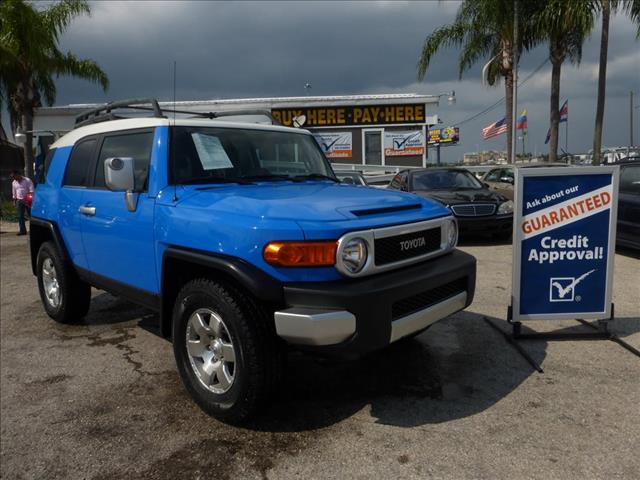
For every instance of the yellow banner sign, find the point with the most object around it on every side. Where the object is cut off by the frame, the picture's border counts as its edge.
(309, 117)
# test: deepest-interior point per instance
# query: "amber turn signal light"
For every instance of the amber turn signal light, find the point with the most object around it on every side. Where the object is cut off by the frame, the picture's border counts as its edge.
(301, 254)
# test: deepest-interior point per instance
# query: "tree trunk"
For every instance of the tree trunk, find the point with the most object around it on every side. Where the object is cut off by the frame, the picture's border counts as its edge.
(602, 80)
(27, 127)
(554, 109)
(508, 95)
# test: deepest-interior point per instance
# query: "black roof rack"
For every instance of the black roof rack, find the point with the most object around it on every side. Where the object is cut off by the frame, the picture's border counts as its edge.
(105, 112)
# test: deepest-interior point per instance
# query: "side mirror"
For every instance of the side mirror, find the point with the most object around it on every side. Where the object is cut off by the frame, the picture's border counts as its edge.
(486, 185)
(119, 177)
(506, 180)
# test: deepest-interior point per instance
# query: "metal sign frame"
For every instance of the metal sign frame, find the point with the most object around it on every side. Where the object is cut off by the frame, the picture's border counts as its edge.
(520, 175)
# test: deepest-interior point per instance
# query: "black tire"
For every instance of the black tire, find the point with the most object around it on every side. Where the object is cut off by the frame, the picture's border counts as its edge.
(502, 236)
(259, 355)
(75, 295)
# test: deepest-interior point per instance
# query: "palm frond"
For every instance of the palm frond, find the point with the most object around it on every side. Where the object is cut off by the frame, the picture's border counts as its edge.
(632, 9)
(449, 35)
(57, 17)
(70, 65)
(477, 47)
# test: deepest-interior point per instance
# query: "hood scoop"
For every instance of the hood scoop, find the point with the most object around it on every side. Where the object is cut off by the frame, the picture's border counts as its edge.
(384, 210)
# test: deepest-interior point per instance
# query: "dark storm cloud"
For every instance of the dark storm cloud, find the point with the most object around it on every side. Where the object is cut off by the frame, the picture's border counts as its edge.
(246, 49)
(254, 49)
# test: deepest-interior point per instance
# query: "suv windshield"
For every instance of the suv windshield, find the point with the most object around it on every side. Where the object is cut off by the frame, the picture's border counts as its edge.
(444, 180)
(211, 155)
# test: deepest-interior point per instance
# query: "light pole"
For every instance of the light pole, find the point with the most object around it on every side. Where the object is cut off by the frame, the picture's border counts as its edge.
(451, 100)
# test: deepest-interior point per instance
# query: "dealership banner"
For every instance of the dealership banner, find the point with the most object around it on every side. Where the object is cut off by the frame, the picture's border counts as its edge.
(335, 145)
(410, 142)
(444, 136)
(343, 116)
(564, 242)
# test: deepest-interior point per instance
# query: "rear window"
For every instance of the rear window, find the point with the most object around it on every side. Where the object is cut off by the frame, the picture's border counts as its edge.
(78, 166)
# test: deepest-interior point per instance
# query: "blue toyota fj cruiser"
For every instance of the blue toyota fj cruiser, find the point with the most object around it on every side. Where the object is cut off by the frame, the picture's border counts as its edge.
(242, 239)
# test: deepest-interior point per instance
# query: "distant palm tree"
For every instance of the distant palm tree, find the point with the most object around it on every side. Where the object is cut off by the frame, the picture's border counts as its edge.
(565, 24)
(483, 29)
(631, 8)
(30, 57)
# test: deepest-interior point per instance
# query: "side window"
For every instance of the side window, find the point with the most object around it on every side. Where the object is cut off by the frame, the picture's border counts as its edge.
(134, 145)
(630, 179)
(405, 181)
(78, 165)
(493, 176)
(396, 182)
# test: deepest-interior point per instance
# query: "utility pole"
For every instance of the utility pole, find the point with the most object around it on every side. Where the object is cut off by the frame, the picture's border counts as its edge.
(514, 110)
(631, 118)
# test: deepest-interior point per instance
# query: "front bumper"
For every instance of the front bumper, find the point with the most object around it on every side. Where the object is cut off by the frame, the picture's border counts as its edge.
(352, 317)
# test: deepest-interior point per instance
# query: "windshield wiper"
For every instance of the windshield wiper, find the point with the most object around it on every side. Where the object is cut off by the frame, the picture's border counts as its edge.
(204, 180)
(313, 176)
(267, 176)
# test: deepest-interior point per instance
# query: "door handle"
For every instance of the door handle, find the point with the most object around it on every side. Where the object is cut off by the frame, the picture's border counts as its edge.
(87, 210)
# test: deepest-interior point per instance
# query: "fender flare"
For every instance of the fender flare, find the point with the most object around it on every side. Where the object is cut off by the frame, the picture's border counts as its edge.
(261, 285)
(37, 225)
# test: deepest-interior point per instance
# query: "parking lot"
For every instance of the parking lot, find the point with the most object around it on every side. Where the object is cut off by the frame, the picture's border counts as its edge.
(103, 400)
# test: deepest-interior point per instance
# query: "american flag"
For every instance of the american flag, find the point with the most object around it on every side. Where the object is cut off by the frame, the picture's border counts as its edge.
(494, 129)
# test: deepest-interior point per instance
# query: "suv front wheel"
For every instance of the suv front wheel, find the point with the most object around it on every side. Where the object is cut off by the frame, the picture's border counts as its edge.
(65, 297)
(227, 357)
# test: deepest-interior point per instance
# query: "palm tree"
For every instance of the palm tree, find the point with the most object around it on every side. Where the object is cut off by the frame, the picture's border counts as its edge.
(632, 8)
(565, 24)
(483, 29)
(30, 57)
(605, 6)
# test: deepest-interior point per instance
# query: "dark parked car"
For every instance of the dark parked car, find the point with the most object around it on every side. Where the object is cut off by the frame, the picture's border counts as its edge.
(629, 205)
(351, 178)
(476, 208)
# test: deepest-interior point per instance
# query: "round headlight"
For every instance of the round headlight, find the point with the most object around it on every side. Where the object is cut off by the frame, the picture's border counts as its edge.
(506, 207)
(354, 255)
(452, 234)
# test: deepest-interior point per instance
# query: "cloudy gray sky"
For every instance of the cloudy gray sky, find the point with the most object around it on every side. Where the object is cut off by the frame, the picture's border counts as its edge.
(231, 50)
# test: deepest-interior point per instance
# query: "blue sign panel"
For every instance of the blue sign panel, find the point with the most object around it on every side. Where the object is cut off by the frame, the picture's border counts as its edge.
(564, 238)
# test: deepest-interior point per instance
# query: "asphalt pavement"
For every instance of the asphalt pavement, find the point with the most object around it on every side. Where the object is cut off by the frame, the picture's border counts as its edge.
(103, 400)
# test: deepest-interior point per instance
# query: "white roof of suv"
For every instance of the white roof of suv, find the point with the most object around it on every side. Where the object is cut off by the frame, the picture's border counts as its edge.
(148, 122)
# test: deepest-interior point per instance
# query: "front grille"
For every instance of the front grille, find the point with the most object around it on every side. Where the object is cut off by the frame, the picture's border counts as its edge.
(418, 302)
(473, 210)
(401, 247)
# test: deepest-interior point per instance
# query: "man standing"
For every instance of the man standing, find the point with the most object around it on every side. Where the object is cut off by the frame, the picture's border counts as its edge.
(20, 186)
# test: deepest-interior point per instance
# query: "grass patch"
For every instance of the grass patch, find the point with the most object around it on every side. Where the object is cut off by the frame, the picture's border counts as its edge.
(8, 211)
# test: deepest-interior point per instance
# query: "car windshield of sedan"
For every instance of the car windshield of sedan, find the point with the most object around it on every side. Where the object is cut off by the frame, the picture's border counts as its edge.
(445, 180)
(223, 155)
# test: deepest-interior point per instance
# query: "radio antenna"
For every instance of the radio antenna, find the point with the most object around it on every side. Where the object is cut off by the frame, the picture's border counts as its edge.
(175, 187)
(174, 92)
